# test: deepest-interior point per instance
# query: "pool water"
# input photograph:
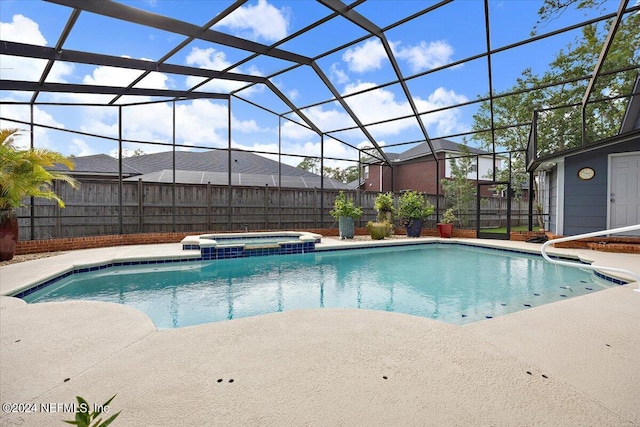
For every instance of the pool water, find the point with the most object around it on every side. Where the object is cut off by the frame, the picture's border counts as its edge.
(451, 283)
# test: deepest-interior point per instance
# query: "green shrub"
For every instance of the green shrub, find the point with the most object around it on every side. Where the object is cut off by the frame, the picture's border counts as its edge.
(384, 205)
(345, 207)
(413, 206)
(448, 217)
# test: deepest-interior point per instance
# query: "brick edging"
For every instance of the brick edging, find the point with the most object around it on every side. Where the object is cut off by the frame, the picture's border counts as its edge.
(73, 243)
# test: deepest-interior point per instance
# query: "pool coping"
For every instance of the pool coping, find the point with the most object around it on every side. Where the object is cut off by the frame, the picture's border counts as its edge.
(24, 289)
(210, 240)
(567, 363)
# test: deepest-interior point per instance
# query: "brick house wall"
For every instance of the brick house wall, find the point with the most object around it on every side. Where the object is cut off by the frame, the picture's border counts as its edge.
(372, 182)
(419, 175)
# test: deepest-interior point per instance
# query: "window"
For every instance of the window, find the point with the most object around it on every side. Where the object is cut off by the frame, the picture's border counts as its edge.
(365, 171)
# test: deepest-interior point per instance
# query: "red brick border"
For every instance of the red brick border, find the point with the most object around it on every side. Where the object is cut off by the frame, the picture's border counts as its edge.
(607, 244)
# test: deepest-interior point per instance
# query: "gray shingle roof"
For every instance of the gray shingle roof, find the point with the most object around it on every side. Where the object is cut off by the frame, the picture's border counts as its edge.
(248, 169)
(421, 150)
(97, 164)
(212, 161)
(238, 179)
(439, 145)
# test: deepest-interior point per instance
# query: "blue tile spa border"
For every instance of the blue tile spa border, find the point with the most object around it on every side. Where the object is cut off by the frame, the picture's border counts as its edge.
(287, 249)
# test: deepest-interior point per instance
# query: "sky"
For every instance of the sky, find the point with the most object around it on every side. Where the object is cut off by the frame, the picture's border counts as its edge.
(450, 33)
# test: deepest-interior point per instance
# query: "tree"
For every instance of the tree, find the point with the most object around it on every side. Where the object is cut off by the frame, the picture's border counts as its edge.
(552, 8)
(459, 190)
(351, 174)
(346, 175)
(310, 164)
(561, 128)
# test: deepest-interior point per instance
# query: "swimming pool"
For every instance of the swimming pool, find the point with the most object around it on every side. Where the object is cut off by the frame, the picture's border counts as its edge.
(453, 283)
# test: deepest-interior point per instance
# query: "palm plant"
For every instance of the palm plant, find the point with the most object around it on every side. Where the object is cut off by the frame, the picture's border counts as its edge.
(24, 173)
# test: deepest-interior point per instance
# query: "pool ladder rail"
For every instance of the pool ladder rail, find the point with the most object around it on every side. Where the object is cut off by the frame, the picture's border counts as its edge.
(636, 227)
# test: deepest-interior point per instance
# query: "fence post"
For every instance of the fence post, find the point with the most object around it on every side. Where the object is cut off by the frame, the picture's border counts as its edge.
(266, 207)
(279, 208)
(229, 207)
(140, 203)
(315, 207)
(208, 207)
(58, 227)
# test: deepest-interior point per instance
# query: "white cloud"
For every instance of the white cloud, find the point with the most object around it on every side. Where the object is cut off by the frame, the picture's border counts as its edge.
(381, 104)
(198, 122)
(212, 59)
(294, 131)
(425, 56)
(365, 57)
(24, 30)
(79, 148)
(447, 121)
(293, 94)
(338, 75)
(113, 76)
(323, 117)
(41, 135)
(371, 56)
(260, 21)
(377, 105)
(208, 58)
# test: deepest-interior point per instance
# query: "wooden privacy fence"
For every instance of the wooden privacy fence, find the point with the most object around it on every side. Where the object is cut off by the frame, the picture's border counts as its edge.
(93, 209)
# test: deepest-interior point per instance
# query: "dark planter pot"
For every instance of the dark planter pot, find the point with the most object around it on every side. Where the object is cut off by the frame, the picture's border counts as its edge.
(445, 230)
(347, 227)
(414, 228)
(8, 235)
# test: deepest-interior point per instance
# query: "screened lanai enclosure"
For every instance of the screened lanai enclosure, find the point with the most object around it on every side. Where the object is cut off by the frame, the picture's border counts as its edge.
(193, 116)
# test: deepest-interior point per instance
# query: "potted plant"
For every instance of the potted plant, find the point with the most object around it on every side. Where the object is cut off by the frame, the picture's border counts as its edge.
(383, 226)
(445, 226)
(378, 230)
(23, 174)
(413, 209)
(384, 206)
(346, 213)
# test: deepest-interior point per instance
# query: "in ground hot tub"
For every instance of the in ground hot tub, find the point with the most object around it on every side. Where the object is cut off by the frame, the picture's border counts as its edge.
(239, 245)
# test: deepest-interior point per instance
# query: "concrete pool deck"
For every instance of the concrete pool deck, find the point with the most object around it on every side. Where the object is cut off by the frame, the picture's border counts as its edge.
(574, 362)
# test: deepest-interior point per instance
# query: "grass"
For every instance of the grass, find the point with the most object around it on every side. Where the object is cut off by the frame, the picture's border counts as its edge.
(503, 230)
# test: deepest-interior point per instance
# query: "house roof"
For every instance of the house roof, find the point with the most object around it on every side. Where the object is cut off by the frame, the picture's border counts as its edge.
(212, 161)
(200, 168)
(96, 164)
(440, 145)
(239, 179)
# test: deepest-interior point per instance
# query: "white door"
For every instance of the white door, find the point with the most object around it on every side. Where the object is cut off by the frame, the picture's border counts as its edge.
(624, 197)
